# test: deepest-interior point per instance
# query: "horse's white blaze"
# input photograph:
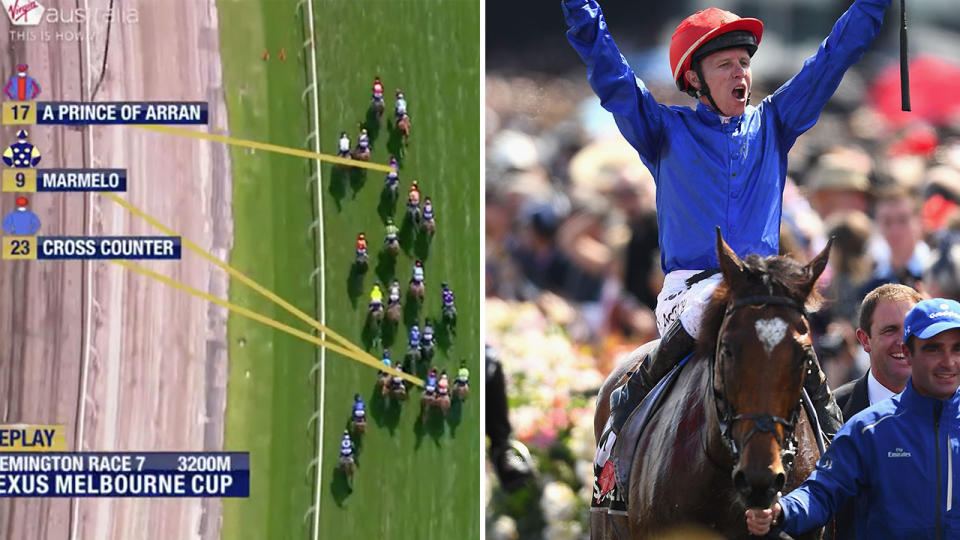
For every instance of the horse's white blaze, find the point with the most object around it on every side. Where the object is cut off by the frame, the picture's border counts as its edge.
(771, 332)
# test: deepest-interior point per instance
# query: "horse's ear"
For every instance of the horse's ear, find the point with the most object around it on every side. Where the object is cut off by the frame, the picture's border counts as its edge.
(817, 265)
(730, 264)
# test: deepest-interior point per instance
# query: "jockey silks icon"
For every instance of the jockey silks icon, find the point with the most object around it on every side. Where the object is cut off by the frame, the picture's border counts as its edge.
(21, 222)
(21, 87)
(21, 154)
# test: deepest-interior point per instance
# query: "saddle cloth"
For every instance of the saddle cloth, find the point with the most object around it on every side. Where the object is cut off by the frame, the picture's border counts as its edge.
(614, 501)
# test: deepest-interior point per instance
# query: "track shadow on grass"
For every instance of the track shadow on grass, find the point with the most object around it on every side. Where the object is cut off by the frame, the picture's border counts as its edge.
(406, 234)
(422, 246)
(358, 177)
(386, 268)
(372, 125)
(388, 204)
(429, 422)
(384, 411)
(371, 334)
(411, 309)
(455, 415)
(354, 284)
(340, 486)
(395, 142)
(443, 335)
(338, 184)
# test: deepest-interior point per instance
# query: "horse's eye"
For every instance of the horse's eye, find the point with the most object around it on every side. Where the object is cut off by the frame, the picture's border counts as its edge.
(802, 327)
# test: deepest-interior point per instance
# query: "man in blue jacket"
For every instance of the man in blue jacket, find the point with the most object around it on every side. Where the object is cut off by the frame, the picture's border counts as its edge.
(723, 164)
(894, 458)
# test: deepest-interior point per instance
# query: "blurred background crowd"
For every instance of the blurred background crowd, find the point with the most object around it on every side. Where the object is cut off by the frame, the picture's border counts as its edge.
(573, 265)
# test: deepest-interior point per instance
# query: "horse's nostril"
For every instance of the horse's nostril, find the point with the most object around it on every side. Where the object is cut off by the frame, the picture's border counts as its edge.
(781, 480)
(740, 482)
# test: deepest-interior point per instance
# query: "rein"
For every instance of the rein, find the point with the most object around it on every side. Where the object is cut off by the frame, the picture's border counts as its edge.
(762, 423)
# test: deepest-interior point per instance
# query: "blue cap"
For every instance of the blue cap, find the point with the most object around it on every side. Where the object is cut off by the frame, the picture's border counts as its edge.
(930, 317)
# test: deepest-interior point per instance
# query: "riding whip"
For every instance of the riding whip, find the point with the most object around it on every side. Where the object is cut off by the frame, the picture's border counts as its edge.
(904, 65)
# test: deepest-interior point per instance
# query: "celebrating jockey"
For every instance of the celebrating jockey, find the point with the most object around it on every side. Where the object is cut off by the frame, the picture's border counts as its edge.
(376, 298)
(417, 273)
(361, 244)
(359, 409)
(363, 140)
(344, 145)
(414, 337)
(377, 90)
(721, 165)
(346, 445)
(394, 296)
(401, 107)
(392, 232)
(393, 177)
(463, 375)
(430, 386)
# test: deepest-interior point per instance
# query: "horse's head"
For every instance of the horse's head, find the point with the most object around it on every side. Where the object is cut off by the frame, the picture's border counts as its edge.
(763, 350)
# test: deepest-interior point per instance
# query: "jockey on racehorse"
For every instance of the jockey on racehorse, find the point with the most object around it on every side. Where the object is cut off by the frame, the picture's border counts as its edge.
(361, 245)
(363, 141)
(344, 145)
(346, 445)
(359, 409)
(723, 164)
(401, 107)
(393, 177)
(377, 90)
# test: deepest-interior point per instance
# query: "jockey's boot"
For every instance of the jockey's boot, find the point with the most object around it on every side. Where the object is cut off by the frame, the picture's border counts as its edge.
(828, 413)
(675, 344)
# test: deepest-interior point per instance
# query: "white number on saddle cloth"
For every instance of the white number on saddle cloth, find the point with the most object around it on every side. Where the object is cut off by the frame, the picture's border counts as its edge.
(771, 332)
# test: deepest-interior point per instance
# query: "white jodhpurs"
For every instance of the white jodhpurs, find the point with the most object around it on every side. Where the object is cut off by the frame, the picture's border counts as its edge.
(688, 303)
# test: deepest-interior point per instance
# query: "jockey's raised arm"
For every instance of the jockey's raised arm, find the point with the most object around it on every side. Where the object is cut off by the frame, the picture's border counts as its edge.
(637, 113)
(798, 103)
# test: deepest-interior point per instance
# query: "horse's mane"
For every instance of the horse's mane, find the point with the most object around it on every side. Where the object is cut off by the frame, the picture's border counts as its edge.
(770, 276)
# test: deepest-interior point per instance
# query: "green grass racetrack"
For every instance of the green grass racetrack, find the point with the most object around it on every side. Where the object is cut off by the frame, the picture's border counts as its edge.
(416, 478)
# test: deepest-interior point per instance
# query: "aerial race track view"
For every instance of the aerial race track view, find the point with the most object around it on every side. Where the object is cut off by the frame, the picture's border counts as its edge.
(272, 326)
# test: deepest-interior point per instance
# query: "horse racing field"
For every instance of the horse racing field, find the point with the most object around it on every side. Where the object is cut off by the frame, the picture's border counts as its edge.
(416, 477)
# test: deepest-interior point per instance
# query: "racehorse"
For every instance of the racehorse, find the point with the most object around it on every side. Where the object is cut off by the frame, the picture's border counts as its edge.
(394, 312)
(347, 465)
(429, 226)
(416, 290)
(392, 247)
(359, 424)
(461, 390)
(731, 433)
(450, 316)
(377, 106)
(375, 315)
(361, 262)
(444, 403)
(403, 126)
(362, 154)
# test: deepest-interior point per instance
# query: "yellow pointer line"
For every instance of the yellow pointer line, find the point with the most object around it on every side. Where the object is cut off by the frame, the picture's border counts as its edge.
(263, 319)
(240, 276)
(171, 130)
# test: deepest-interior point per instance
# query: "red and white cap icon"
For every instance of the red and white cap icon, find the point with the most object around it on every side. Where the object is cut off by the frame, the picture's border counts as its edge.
(21, 68)
(22, 202)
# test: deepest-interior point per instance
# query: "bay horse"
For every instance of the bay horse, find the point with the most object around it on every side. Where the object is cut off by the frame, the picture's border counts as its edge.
(403, 126)
(731, 433)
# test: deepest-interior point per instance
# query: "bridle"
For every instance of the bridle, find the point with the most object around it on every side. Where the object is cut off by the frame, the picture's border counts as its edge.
(762, 423)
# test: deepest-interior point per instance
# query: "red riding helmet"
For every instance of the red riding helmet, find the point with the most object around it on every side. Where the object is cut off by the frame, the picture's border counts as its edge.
(708, 31)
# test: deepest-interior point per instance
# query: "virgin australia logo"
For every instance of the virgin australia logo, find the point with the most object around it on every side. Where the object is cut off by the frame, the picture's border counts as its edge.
(23, 12)
(898, 453)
